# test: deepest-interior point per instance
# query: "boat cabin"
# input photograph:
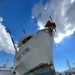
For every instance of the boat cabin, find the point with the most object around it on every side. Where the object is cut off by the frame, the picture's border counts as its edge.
(24, 39)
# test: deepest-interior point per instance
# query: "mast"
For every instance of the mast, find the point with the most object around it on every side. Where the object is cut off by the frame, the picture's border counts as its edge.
(68, 64)
(6, 63)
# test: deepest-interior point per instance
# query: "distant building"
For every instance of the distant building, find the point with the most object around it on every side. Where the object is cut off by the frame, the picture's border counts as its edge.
(70, 71)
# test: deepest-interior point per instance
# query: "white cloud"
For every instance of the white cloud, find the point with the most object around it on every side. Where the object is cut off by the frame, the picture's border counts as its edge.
(5, 40)
(40, 25)
(61, 11)
(72, 1)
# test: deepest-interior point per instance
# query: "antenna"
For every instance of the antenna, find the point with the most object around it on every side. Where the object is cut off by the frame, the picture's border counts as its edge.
(51, 19)
(11, 39)
(24, 31)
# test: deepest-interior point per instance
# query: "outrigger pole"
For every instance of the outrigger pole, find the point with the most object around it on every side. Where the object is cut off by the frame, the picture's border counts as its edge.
(12, 39)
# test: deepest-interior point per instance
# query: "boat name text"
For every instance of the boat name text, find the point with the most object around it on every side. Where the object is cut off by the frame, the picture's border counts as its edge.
(23, 53)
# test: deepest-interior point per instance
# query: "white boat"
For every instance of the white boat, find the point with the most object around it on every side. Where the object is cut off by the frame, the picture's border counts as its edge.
(6, 71)
(35, 50)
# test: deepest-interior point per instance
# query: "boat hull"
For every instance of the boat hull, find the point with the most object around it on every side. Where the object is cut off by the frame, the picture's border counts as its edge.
(38, 50)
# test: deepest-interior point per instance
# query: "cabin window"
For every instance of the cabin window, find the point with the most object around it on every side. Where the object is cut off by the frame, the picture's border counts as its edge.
(25, 40)
(29, 37)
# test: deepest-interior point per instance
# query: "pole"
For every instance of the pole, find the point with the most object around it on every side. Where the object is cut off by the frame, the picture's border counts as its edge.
(12, 39)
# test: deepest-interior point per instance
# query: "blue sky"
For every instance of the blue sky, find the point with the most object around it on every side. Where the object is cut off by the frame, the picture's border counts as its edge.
(32, 16)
